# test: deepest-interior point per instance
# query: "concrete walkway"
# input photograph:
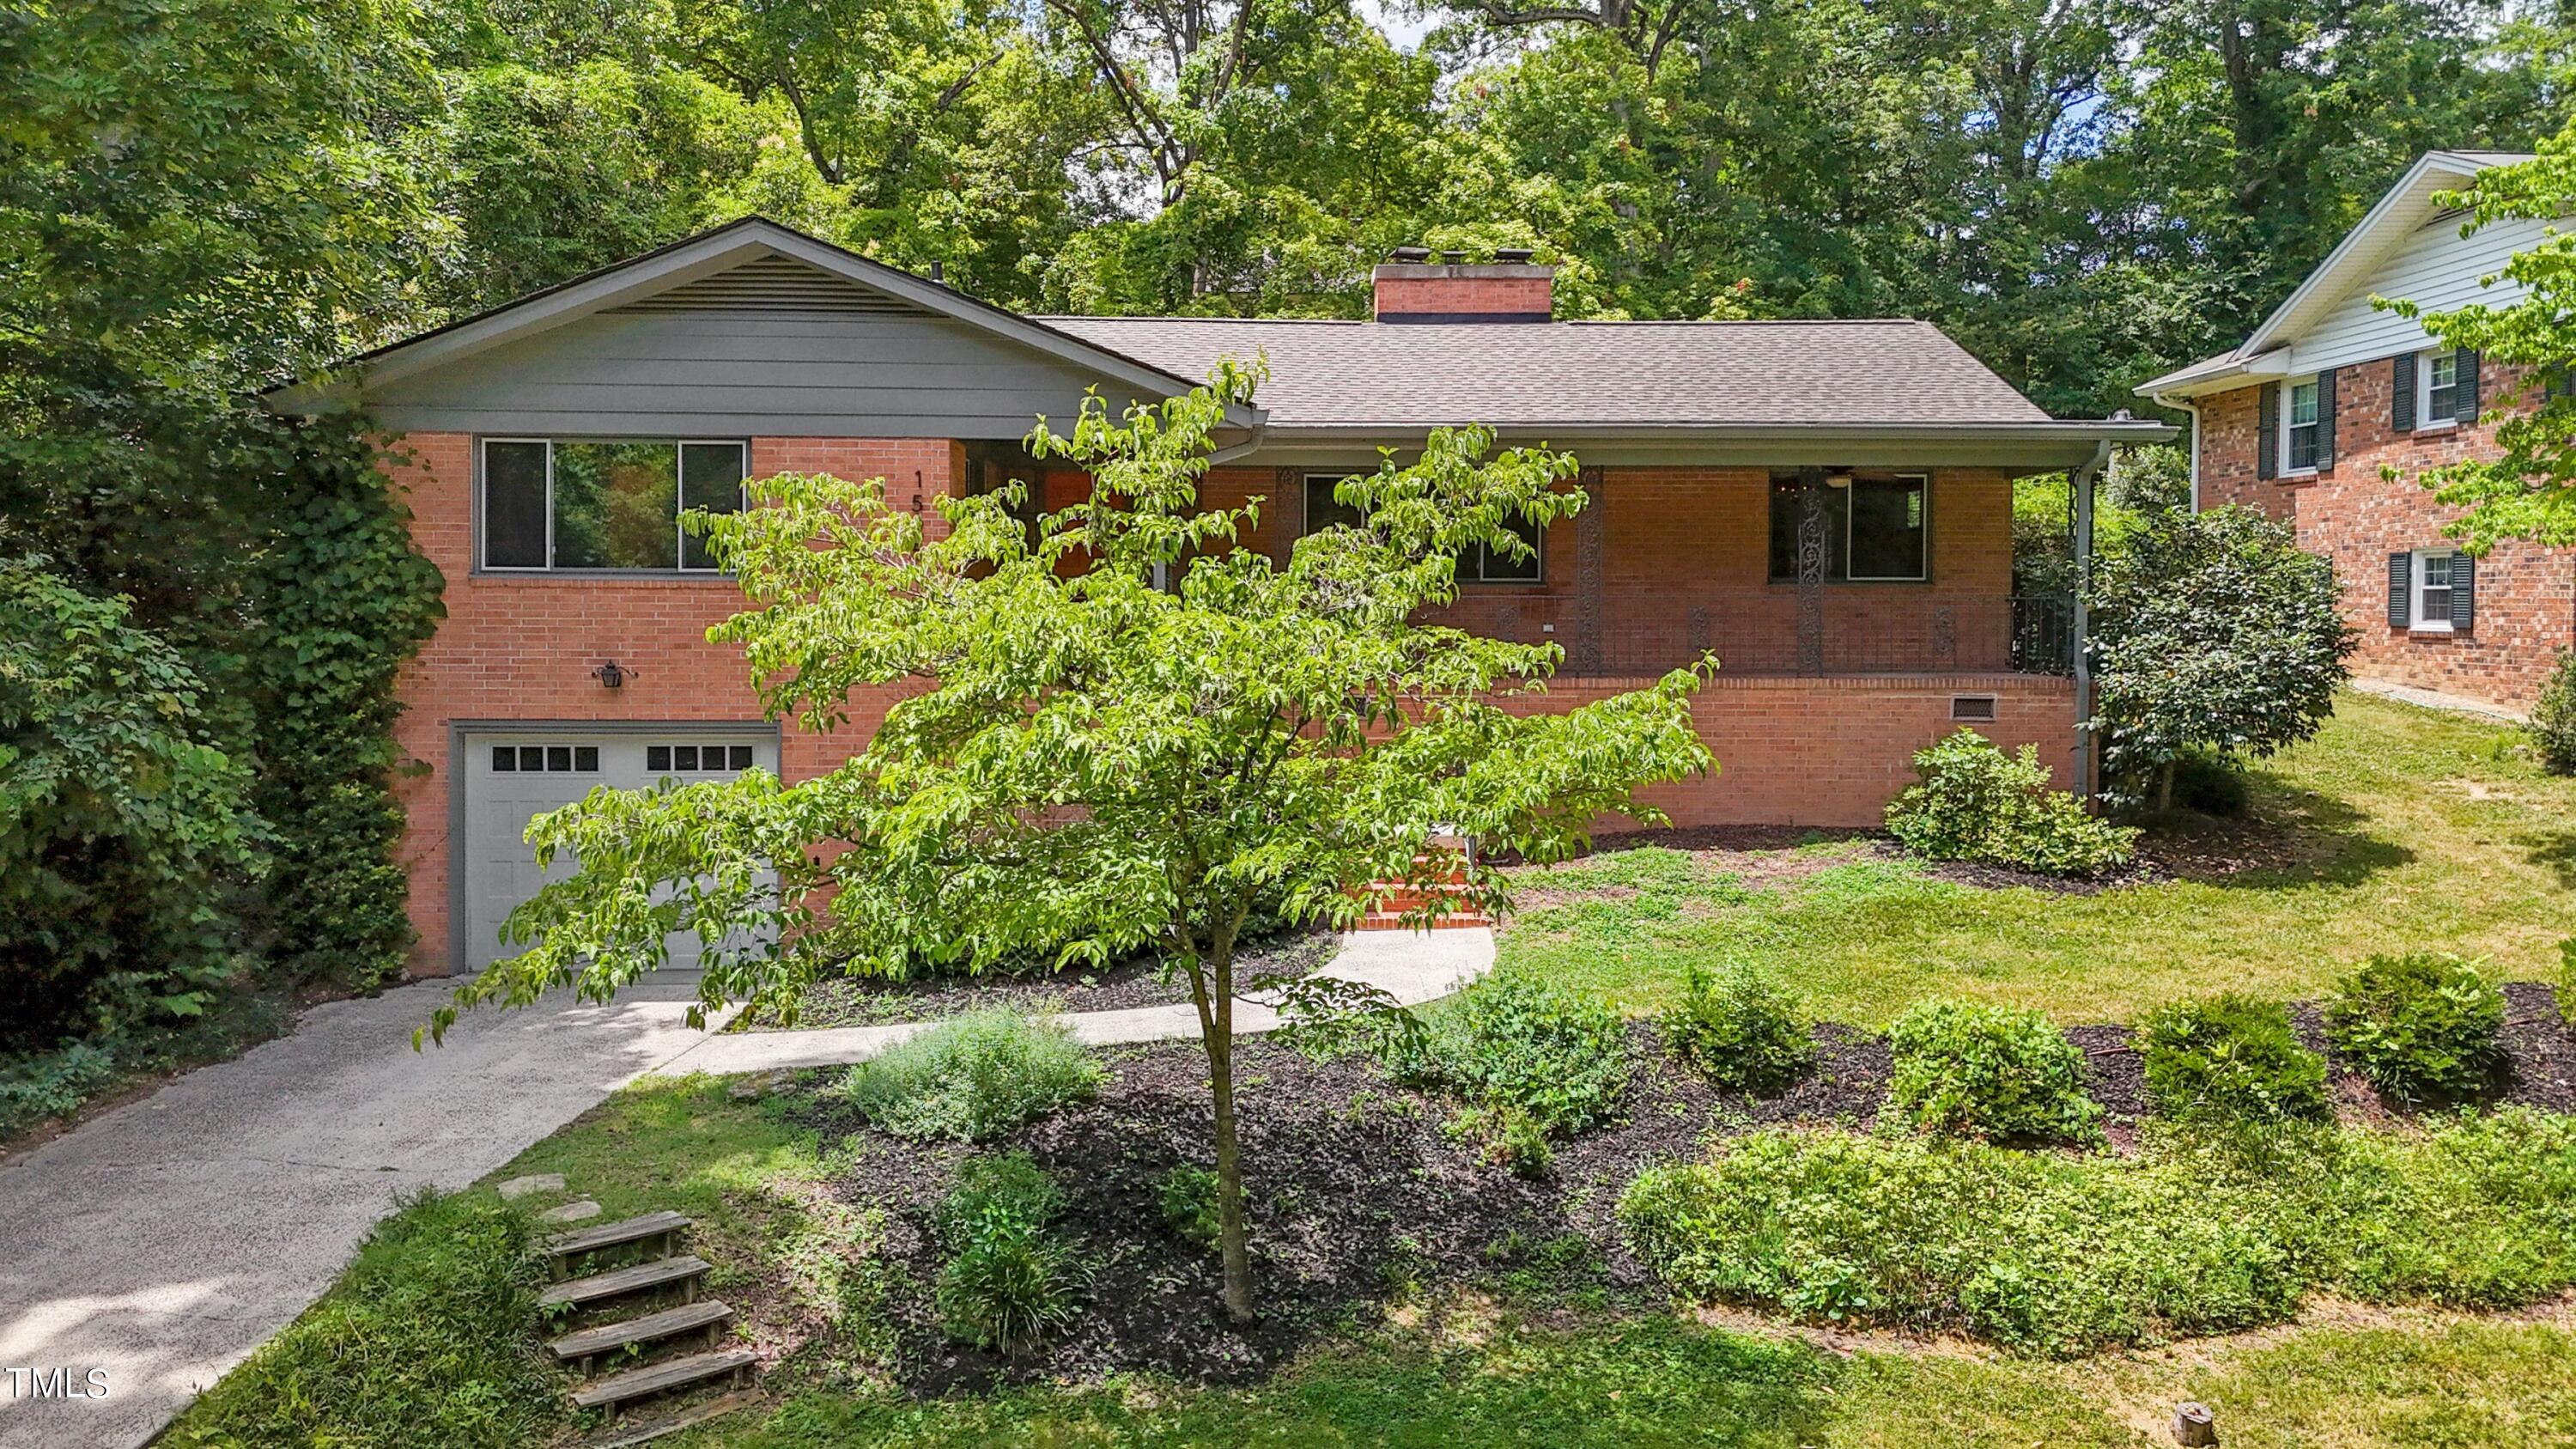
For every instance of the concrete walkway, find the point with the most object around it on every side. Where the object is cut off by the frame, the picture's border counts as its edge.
(164, 1241)
(1412, 967)
(2440, 699)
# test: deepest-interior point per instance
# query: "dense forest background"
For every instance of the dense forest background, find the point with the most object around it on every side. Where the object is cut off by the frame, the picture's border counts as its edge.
(203, 605)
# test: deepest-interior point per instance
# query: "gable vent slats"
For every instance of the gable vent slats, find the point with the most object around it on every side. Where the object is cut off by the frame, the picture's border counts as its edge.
(774, 284)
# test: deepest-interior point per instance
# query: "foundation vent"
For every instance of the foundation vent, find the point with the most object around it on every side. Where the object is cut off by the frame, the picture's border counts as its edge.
(1974, 707)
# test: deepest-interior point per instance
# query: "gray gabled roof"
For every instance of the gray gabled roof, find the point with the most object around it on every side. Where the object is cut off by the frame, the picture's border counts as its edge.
(1348, 375)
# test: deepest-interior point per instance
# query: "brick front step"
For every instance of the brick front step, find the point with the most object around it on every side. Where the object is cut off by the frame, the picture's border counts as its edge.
(1394, 921)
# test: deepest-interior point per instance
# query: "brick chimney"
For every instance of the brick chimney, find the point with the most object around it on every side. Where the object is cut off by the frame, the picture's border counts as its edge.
(1412, 287)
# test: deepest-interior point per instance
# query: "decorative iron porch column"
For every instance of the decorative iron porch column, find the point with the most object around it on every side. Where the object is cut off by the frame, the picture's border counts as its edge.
(1591, 534)
(1811, 570)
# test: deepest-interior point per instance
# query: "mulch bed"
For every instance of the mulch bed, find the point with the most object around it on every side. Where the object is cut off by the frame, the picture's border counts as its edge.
(1138, 981)
(1355, 1186)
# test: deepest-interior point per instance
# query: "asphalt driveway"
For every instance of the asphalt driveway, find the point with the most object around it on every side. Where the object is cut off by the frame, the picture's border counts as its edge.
(165, 1240)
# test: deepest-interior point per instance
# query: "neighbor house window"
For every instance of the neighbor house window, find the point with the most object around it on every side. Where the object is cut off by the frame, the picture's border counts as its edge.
(552, 503)
(2299, 430)
(2434, 587)
(2439, 375)
(1877, 527)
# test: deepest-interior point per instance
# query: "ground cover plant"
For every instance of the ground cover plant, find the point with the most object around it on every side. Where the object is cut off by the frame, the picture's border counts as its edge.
(1964, 1069)
(1973, 802)
(2231, 1058)
(2395, 824)
(2423, 1026)
(1531, 1062)
(2061, 1255)
(972, 1077)
(1008, 1281)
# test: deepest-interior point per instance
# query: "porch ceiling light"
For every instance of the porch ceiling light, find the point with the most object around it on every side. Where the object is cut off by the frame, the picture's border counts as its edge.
(1838, 478)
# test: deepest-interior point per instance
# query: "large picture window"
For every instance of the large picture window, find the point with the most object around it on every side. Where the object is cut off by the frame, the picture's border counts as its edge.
(1478, 566)
(551, 503)
(1877, 528)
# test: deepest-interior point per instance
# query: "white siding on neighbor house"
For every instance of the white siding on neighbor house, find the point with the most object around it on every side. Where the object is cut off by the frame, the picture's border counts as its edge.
(2436, 268)
(727, 372)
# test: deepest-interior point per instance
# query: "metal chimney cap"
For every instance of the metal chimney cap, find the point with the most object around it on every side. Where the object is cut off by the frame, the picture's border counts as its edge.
(1514, 255)
(1409, 254)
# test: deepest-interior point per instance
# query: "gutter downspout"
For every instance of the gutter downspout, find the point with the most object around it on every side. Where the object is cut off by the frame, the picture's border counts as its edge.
(2086, 788)
(2193, 408)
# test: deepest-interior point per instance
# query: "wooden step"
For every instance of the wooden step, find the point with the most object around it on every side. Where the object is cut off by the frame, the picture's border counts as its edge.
(589, 1343)
(664, 1225)
(688, 1418)
(685, 1269)
(678, 1373)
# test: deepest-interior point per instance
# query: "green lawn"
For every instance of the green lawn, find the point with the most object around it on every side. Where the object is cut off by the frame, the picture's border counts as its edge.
(2396, 828)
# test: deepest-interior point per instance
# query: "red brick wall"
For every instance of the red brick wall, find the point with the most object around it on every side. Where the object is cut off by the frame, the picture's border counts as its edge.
(1515, 291)
(1793, 750)
(2353, 514)
(521, 646)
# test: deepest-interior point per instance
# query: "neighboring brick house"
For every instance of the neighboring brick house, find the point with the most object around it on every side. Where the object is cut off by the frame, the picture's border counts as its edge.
(1826, 505)
(2326, 416)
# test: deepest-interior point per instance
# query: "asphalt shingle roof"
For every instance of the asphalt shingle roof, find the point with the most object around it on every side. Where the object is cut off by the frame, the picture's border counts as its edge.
(1581, 373)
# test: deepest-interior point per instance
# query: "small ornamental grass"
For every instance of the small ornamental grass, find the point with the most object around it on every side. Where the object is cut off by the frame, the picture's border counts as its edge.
(2423, 1027)
(1973, 802)
(1965, 1069)
(1532, 1062)
(2055, 1255)
(1741, 1030)
(2231, 1058)
(973, 1077)
(1008, 1282)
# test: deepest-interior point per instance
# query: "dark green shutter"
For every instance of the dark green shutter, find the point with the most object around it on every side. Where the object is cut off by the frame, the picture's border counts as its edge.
(2401, 578)
(2401, 393)
(2267, 430)
(2325, 419)
(2467, 373)
(2464, 593)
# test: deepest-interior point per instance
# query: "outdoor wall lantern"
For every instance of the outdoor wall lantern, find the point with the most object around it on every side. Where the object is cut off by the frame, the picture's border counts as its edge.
(613, 675)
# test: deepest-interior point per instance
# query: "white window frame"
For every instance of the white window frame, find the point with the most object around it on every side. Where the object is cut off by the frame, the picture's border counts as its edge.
(2416, 617)
(679, 535)
(1923, 566)
(2427, 420)
(2289, 410)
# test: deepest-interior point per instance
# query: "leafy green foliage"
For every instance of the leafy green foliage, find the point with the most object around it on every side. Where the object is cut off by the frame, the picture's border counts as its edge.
(1526, 1052)
(1967, 1069)
(44, 1085)
(972, 1077)
(429, 1338)
(1188, 1199)
(1971, 801)
(2056, 1255)
(122, 827)
(2553, 716)
(2231, 1058)
(2215, 634)
(2423, 1026)
(1008, 1281)
(2567, 982)
(1741, 1029)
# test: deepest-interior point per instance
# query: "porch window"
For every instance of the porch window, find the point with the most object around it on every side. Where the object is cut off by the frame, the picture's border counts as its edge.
(1877, 528)
(551, 503)
(1323, 510)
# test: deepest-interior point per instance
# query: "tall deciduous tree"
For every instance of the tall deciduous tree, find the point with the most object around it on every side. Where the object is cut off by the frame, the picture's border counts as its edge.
(2528, 490)
(1099, 765)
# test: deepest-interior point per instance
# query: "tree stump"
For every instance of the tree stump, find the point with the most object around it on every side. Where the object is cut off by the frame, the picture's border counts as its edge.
(2194, 1424)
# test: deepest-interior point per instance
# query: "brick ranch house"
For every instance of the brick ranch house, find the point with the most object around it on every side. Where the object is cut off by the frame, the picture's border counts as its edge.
(2311, 415)
(1826, 505)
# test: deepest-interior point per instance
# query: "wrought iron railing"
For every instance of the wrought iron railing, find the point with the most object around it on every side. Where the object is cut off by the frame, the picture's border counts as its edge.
(1860, 629)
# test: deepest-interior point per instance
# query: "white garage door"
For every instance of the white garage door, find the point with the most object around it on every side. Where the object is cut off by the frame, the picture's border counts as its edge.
(512, 777)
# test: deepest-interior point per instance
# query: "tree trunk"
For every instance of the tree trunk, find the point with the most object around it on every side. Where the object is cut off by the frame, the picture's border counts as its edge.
(1216, 1020)
(2165, 787)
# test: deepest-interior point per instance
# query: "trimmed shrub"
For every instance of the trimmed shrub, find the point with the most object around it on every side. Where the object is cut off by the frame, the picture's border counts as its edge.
(1518, 1045)
(1973, 802)
(972, 1077)
(2553, 717)
(1964, 1069)
(2211, 784)
(2057, 1255)
(2231, 1058)
(2423, 1027)
(429, 1338)
(1189, 1204)
(1741, 1030)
